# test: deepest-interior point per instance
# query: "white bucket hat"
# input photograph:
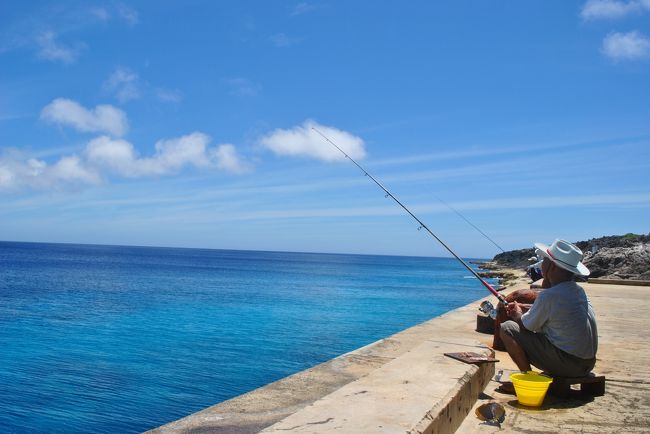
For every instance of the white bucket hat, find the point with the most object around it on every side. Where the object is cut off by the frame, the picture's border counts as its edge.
(564, 255)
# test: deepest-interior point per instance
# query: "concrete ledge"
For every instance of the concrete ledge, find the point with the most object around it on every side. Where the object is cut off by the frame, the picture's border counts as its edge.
(420, 391)
(449, 413)
(403, 383)
(628, 282)
(620, 282)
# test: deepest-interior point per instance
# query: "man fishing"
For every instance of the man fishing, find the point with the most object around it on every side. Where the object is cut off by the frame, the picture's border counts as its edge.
(525, 298)
(558, 334)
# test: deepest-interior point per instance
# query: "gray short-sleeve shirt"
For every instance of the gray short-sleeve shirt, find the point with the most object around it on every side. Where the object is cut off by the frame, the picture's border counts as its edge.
(564, 314)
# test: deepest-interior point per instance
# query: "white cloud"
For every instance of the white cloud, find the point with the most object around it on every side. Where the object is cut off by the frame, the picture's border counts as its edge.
(171, 156)
(116, 155)
(103, 118)
(626, 46)
(227, 159)
(302, 140)
(124, 84)
(69, 171)
(109, 156)
(611, 9)
(50, 49)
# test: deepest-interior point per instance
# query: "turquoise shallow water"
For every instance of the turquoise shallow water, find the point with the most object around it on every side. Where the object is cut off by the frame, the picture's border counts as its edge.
(123, 339)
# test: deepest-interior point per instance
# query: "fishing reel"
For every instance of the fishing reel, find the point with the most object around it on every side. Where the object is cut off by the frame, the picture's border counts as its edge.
(488, 308)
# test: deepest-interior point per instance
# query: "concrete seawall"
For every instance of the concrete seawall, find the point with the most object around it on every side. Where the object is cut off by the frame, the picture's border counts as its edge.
(404, 383)
(397, 384)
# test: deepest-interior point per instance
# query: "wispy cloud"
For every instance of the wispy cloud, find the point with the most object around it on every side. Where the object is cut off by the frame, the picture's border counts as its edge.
(626, 46)
(508, 168)
(281, 40)
(103, 118)
(88, 14)
(303, 141)
(121, 11)
(303, 8)
(501, 172)
(242, 86)
(12, 116)
(612, 9)
(543, 202)
(123, 82)
(168, 95)
(128, 14)
(641, 199)
(101, 13)
(126, 85)
(522, 148)
(50, 29)
(621, 198)
(49, 48)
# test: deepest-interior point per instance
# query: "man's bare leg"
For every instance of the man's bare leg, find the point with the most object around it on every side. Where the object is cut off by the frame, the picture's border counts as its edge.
(515, 351)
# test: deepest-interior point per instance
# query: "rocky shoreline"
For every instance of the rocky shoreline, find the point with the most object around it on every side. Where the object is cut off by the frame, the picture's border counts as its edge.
(507, 276)
(619, 257)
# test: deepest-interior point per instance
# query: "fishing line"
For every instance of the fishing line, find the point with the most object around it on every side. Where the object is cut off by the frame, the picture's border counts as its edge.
(469, 223)
(489, 287)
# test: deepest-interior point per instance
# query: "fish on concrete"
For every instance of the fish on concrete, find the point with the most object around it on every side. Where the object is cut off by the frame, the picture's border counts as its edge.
(492, 413)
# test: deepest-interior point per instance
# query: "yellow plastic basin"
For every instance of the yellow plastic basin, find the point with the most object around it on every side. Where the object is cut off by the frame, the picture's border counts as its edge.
(531, 388)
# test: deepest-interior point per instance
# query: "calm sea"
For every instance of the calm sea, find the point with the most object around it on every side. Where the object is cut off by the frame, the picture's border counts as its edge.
(108, 339)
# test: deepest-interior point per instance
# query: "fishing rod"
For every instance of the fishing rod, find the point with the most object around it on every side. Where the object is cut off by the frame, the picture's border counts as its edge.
(489, 287)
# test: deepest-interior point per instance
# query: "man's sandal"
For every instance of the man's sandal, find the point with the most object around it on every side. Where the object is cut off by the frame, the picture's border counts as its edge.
(507, 388)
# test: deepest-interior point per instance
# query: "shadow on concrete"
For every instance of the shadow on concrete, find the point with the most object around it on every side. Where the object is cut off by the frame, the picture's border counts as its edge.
(552, 402)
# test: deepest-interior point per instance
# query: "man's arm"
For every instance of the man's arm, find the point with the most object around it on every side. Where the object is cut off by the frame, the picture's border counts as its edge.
(515, 311)
(535, 318)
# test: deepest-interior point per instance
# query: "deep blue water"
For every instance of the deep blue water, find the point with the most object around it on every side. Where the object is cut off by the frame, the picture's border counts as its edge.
(123, 339)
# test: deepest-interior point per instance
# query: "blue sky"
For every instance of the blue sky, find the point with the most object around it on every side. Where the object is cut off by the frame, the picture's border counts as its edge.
(189, 123)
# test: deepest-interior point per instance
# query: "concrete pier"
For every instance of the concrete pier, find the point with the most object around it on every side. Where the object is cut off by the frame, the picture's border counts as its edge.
(404, 383)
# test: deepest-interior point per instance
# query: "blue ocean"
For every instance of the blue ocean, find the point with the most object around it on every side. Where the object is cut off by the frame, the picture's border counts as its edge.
(108, 339)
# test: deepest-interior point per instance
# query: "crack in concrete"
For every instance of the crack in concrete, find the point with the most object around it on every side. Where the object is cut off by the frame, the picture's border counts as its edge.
(308, 423)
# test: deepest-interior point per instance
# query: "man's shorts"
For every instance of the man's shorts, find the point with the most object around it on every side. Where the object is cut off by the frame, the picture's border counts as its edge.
(546, 356)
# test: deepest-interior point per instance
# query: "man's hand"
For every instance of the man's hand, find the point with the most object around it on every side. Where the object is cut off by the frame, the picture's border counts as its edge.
(514, 311)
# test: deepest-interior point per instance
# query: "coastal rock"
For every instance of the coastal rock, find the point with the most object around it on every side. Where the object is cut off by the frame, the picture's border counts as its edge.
(518, 259)
(620, 262)
(611, 257)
